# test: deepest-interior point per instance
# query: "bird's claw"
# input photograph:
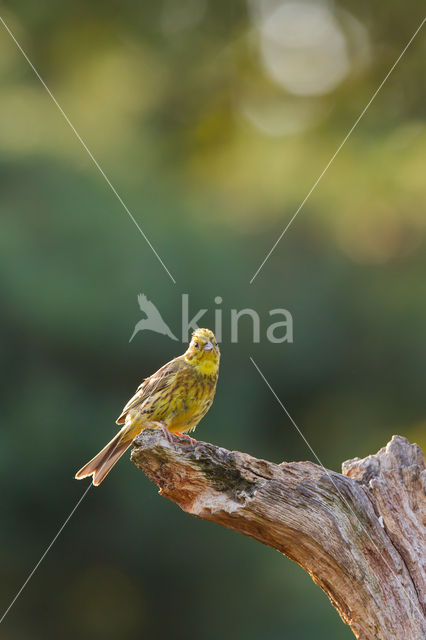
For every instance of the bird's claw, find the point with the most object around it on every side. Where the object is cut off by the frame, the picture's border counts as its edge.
(185, 436)
(168, 434)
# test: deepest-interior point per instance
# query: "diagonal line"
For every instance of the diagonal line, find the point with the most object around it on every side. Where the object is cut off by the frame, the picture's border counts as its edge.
(80, 500)
(30, 575)
(86, 148)
(332, 481)
(345, 139)
(292, 421)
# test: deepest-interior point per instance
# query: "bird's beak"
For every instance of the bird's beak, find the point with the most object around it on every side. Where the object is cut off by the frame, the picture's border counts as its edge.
(208, 346)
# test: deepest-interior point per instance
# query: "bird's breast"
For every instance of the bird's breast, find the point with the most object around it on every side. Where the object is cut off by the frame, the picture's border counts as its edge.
(191, 401)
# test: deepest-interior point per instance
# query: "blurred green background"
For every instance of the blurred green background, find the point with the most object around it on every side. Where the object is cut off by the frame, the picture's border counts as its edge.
(213, 120)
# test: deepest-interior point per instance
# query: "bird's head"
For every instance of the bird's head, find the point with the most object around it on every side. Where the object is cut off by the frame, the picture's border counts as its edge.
(203, 351)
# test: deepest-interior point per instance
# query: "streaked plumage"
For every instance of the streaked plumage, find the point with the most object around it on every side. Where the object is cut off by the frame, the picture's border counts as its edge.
(175, 398)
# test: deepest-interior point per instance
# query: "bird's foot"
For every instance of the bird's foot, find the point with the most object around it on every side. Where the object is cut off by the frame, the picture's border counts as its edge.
(167, 433)
(185, 436)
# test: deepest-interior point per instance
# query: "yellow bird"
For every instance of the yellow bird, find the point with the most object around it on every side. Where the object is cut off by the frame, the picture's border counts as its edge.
(175, 398)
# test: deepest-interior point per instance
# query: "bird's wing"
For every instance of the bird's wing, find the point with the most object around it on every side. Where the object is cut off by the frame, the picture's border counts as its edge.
(158, 381)
(142, 300)
(148, 307)
(154, 316)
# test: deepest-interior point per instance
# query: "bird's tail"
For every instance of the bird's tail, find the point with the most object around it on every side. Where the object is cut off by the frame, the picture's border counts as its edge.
(103, 462)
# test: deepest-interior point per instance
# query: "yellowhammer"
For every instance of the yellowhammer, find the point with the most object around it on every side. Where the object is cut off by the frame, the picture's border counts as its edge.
(175, 398)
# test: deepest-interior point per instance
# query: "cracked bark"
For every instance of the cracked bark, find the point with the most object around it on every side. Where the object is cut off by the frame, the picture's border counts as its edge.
(359, 534)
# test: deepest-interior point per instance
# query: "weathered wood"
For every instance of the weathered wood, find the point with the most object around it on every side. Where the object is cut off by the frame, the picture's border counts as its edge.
(360, 535)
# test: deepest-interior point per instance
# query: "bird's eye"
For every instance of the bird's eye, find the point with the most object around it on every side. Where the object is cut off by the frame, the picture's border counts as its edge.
(196, 345)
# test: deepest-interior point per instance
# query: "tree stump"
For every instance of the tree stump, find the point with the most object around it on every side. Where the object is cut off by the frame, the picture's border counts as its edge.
(360, 534)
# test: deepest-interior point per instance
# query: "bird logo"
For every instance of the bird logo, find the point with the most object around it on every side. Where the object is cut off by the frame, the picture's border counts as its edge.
(153, 320)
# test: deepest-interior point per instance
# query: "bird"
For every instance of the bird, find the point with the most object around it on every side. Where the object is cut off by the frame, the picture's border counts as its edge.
(153, 320)
(175, 398)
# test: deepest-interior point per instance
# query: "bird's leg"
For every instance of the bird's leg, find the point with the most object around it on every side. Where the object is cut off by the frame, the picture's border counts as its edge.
(167, 433)
(164, 429)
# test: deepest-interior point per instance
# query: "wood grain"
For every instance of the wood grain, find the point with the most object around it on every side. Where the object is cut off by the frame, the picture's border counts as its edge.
(359, 534)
